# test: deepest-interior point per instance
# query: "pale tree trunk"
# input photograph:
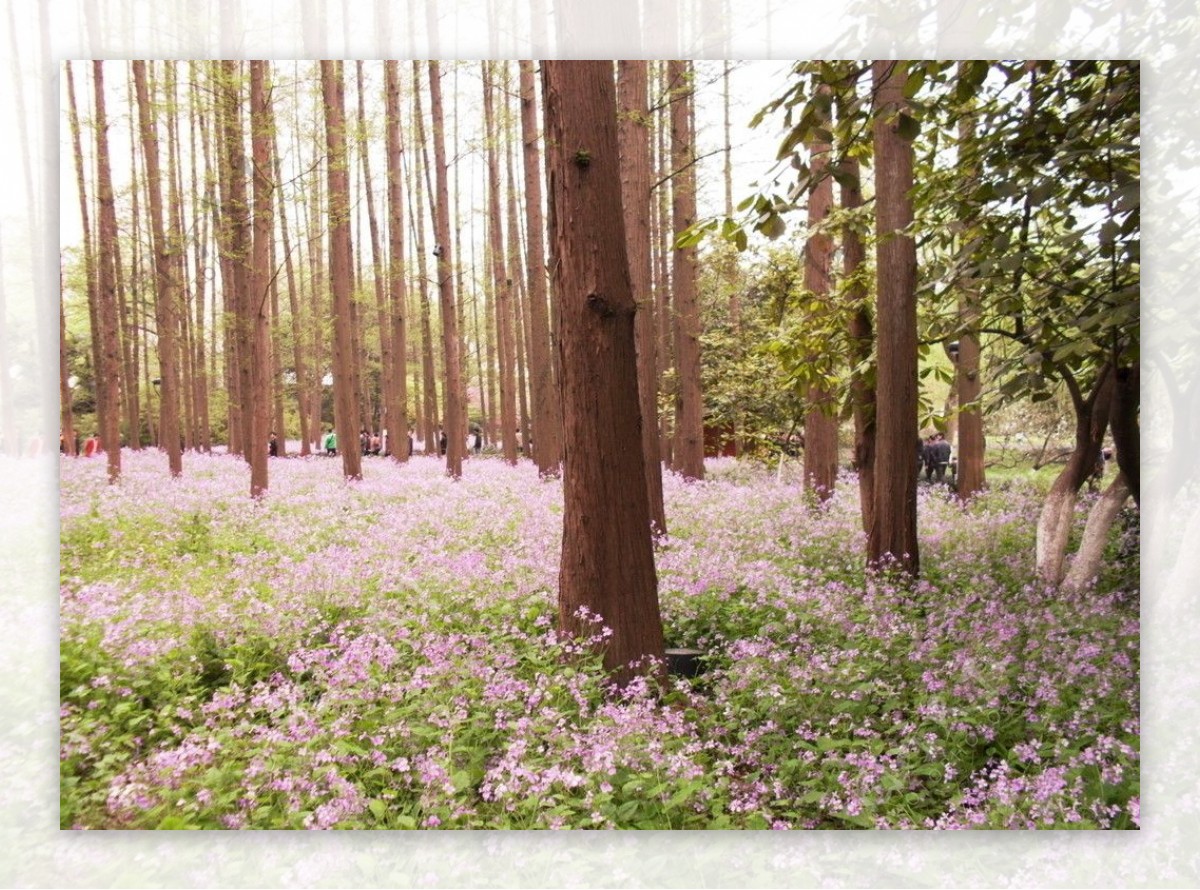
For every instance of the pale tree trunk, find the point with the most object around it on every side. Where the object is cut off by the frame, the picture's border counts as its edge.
(261, 280)
(1058, 511)
(129, 302)
(547, 419)
(820, 418)
(397, 407)
(513, 264)
(502, 286)
(893, 532)
(345, 400)
(176, 241)
(607, 563)
(66, 415)
(200, 374)
(453, 419)
(663, 288)
(108, 386)
(633, 131)
(689, 411)
(1085, 567)
(166, 287)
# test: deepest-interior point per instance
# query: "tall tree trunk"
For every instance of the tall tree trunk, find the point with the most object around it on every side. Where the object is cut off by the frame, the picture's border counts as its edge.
(235, 254)
(89, 259)
(344, 397)
(308, 430)
(862, 344)
(177, 240)
(262, 280)
(108, 386)
(689, 410)
(893, 532)
(66, 412)
(1089, 558)
(427, 355)
(397, 407)
(166, 286)
(664, 288)
(820, 417)
(453, 421)
(607, 564)
(634, 135)
(129, 300)
(200, 375)
(970, 480)
(501, 282)
(1126, 430)
(547, 418)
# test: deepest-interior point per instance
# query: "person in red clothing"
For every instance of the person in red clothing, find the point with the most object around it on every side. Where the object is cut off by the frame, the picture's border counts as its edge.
(91, 446)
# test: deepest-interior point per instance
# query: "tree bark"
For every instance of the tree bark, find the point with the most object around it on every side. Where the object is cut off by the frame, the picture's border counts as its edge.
(453, 421)
(345, 400)
(547, 418)
(108, 386)
(633, 132)
(607, 568)
(689, 411)
(820, 418)
(893, 535)
(1126, 430)
(397, 408)
(1089, 558)
(166, 286)
(261, 281)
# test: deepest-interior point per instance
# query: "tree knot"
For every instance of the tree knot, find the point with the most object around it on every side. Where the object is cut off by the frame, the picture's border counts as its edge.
(598, 303)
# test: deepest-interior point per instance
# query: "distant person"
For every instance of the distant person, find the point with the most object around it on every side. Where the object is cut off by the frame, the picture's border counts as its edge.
(441, 441)
(941, 457)
(91, 446)
(929, 456)
(330, 443)
(920, 455)
(273, 445)
(478, 443)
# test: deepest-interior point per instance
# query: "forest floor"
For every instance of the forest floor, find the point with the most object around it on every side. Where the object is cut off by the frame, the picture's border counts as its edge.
(384, 655)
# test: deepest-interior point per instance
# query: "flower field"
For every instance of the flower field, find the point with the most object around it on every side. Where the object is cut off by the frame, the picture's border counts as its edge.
(384, 655)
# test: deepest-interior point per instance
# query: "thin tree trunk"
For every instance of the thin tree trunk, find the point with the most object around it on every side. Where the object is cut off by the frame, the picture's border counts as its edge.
(820, 419)
(547, 417)
(166, 286)
(689, 411)
(339, 268)
(397, 408)
(427, 354)
(893, 534)
(453, 420)
(108, 385)
(502, 285)
(970, 479)
(634, 135)
(262, 280)
(607, 568)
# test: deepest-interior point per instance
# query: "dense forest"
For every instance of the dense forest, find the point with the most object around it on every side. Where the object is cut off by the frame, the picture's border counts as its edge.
(568, 270)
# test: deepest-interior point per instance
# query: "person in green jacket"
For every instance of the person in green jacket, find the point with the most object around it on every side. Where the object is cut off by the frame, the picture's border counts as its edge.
(330, 443)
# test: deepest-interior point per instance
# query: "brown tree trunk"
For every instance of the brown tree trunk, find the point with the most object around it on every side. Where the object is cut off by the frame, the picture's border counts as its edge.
(427, 355)
(308, 431)
(129, 302)
(1126, 430)
(634, 136)
(108, 386)
(235, 254)
(453, 419)
(166, 286)
(607, 564)
(502, 285)
(89, 260)
(200, 372)
(862, 344)
(397, 407)
(547, 418)
(971, 479)
(261, 281)
(893, 532)
(689, 410)
(345, 401)
(177, 240)
(820, 417)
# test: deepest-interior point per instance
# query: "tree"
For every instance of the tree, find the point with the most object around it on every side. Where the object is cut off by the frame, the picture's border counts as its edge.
(397, 410)
(634, 135)
(547, 419)
(607, 564)
(166, 283)
(108, 368)
(453, 415)
(820, 418)
(688, 452)
(893, 534)
(337, 173)
(261, 281)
